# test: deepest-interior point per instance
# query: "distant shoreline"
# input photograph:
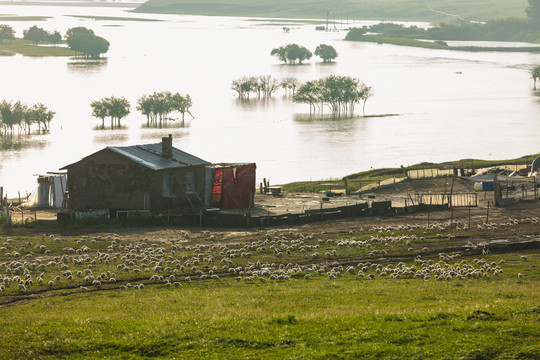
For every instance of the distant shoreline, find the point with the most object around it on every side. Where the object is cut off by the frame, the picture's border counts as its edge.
(402, 41)
(74, 3)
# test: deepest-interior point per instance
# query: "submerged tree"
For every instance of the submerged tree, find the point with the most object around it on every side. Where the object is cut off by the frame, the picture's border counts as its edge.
(99, 110)
(244, 86)
(290, 84)
(41, 115)
(21, 117)
(84, 41)
(19, 112)
(6, 33)
(366, 93)
(113, 107)
(292, 53)
(183, 104)
(267, 85)
(6, 116)
(54, 37)
(35, 34)
(326, 52)
(76, 31)
(309, 93)
(158, 107)
(263, 86)
(118, 108)
(338, 93)
(535, 73)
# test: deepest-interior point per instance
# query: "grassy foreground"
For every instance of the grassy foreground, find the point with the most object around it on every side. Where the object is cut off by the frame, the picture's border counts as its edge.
(355, 295)
(27, 48)
(411, 10)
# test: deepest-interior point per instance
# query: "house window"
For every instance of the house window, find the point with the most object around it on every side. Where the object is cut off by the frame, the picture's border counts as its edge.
(167, 189)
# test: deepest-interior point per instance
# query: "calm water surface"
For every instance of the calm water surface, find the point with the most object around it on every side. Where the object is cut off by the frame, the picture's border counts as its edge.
(451, 105)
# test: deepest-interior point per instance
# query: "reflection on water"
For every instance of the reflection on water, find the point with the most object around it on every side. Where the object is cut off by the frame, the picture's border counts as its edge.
(536, 95)
(103, 127)
(167, 124)
(324, 118)
(110, 137)
(156, 134)
(254, 104)
(76, 65)
(329, 122)
(21, 142)
(453, 104)
(328, 64)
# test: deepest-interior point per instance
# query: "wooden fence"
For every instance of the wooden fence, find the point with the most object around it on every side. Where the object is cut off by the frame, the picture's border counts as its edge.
(450, 200)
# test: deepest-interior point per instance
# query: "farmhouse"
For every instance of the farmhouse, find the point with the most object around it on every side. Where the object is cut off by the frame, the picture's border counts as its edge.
(156, 178)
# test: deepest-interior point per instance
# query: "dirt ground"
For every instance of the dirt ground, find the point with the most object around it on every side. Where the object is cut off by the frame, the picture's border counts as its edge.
(401, 194)
(526, 212)
(477, 217)
(473, 231)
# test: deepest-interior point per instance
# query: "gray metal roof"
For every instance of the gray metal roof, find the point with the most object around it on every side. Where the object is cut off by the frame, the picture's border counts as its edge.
(149, 155)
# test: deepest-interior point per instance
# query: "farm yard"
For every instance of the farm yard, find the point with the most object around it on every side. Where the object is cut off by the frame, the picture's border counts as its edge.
(370, 288)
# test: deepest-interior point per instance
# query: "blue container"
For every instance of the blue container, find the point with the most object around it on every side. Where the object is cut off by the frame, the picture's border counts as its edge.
(484, 186)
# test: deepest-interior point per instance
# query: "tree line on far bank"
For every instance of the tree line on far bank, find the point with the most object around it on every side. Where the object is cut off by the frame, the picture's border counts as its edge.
(295, 54)
(508, 29)
(156, 107)
(18, 117)
(79, 39)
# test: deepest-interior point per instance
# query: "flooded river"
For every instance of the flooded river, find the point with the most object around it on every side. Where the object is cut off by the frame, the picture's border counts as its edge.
(449, 105)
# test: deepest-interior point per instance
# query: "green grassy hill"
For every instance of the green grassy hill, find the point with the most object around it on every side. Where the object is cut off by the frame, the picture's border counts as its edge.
(412, 10)
(27, 48)
(360, 294)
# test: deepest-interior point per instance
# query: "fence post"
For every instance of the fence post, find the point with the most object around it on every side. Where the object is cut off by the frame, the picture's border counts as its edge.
(487, 214)
(469, 215)
(8, 215)
(428, 208)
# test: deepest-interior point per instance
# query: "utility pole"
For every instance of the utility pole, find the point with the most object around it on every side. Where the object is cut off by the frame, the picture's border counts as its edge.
(327, 15)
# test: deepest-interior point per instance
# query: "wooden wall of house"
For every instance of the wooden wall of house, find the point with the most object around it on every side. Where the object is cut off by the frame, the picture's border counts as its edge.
(107, 180)
(180, 200)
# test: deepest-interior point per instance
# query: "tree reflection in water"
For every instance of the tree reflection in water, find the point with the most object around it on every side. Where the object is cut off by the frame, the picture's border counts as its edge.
(80, 66)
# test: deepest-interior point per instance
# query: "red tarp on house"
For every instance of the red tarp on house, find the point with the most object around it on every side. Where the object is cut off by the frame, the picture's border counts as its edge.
(234, 185)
